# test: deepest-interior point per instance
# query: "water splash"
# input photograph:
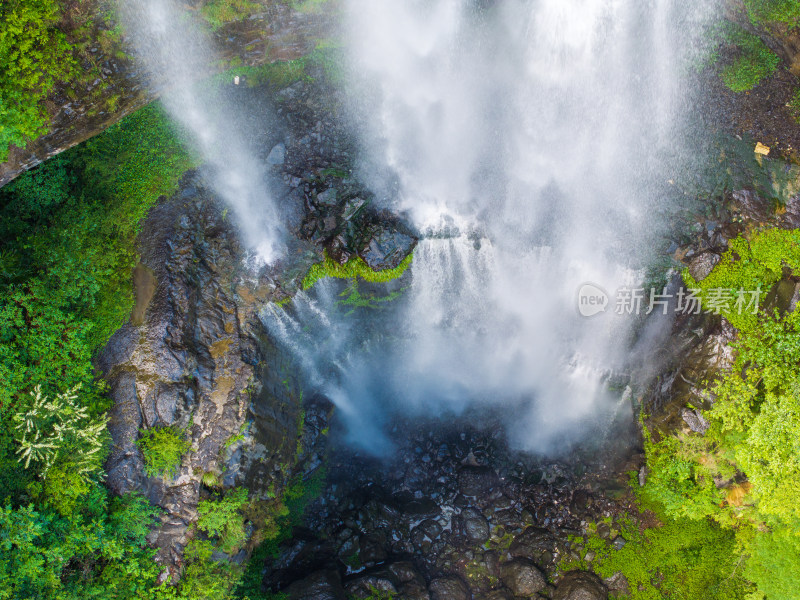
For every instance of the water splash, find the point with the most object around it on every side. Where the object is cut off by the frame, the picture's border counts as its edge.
(176, 52)
(542, 127)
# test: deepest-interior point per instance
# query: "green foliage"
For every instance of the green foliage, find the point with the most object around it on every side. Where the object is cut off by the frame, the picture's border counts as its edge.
(99, 552)
(682, 560)
(353, 268)
(204, 578)
(286, 514)
(754, 62)
(744, 472)
(762, 12)
(751, 262)
(163, 448)
(35, 55)
(224, 520)
(51, 431)
(220, 12)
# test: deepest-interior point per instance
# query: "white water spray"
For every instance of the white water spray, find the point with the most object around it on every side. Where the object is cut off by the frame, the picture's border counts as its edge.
(176, 52)
(536, 128)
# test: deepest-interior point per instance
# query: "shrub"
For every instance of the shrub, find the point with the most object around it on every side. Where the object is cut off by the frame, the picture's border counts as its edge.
(224, 520)
(163, 448)
(59, 431)
(754, 62)
(773, 11)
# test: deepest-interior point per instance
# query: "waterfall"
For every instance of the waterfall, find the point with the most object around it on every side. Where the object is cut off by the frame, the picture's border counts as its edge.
(176, 52)
(540, 130)
(531, 142)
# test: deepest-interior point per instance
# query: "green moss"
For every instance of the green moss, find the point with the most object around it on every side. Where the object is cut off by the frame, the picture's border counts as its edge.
(353, 268)
(794, 105)
(224, 519)
(220, 12)
(163, 448)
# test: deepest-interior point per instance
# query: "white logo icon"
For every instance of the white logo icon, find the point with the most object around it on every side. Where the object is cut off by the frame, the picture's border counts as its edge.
(592, 299)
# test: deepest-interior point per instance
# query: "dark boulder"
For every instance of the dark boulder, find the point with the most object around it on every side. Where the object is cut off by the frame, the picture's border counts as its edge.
(580, 585)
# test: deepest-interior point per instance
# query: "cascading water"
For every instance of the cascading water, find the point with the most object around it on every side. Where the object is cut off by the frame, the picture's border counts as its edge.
(527, 141)
(176, 53)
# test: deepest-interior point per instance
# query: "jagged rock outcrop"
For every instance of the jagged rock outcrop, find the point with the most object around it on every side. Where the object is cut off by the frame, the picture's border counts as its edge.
(188, 358)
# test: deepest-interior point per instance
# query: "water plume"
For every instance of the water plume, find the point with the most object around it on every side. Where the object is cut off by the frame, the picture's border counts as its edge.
(174, 48)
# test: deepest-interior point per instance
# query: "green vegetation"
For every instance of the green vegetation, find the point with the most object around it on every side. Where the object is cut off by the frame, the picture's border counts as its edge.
(224, 520)
(163, 448)
(67, 233)
(763, 12)
(794, 105)
(353, 299)
(681, 559)
(353, 268)
(727, 498)
(35, 55)
(754, 61)
(220, 12)
(282, 516)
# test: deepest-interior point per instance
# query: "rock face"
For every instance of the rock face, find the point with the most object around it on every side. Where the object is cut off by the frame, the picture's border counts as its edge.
(187, 360)
(195, 354)
(274, 31)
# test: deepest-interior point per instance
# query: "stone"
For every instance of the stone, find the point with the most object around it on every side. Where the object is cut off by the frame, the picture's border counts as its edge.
(322, 585)
(702, 264)
(695, 420)
(448, 588)
(476, 481)
(386, 247)
(474, 526)
(532, 543)
(580, 585)
(327, 198)
(364, 587)
(522, 577)
(277, 156)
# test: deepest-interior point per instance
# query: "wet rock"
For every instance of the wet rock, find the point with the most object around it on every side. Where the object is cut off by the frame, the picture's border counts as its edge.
(327, 198)
(386, 247)
(702, 264)
(476, 481)
(475, 527)
(448, 588)
(522, 577)
(532, 543)
(365, 587)
(695, 420)
(277, 156)
(580, 585)
(322, 585)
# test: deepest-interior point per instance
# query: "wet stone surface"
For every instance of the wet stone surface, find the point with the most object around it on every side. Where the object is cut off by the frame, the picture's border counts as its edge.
(477, 520)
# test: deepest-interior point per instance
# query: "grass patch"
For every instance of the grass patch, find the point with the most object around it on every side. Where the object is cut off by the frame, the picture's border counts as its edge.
(221, 12)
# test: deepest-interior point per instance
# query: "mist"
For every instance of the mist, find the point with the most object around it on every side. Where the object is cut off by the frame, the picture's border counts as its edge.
(177, 54)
